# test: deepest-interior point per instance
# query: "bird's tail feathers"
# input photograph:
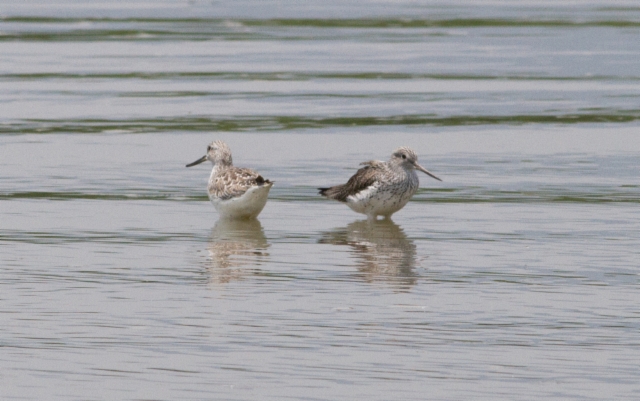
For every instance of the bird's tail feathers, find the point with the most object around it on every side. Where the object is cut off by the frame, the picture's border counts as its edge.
(333, 193)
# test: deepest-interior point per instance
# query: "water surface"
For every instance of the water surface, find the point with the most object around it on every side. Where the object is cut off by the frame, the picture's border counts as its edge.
(516, 277)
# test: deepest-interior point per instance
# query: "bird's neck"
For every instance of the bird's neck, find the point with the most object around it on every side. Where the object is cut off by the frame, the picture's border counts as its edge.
(220, 167)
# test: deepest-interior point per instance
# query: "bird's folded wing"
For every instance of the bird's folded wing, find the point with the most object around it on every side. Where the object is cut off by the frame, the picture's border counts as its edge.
(235, 182)
(361, 180)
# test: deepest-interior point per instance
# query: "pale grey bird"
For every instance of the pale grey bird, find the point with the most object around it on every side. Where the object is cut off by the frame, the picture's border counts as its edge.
(235, 192)
(381, 188)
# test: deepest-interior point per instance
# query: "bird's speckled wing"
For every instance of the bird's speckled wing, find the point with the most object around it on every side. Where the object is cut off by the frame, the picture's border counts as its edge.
(361, 180)
(234, 182)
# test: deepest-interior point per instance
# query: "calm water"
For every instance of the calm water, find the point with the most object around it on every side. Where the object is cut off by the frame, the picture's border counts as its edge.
(515, 278)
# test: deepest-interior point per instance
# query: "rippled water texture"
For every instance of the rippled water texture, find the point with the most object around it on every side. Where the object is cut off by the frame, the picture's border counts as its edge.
(517, 277)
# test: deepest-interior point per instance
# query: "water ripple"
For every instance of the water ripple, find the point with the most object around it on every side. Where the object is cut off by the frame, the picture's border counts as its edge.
(283, 123)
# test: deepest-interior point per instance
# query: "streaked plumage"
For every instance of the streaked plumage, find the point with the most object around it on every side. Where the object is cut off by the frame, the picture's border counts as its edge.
(235, 192)
(381, 188)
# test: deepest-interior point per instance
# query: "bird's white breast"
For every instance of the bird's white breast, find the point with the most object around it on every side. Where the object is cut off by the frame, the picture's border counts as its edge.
(248, 205)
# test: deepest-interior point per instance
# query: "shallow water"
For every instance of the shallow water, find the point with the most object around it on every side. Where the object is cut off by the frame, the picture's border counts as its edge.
(517, 276)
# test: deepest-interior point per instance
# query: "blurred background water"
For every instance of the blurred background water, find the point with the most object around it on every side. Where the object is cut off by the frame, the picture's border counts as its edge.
(516, 277)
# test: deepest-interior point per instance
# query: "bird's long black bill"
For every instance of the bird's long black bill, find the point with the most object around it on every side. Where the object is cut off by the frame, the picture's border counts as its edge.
(200, 160)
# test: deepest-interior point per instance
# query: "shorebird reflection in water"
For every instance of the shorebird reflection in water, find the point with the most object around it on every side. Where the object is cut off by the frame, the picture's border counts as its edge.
(383, 249)
(381, 188)
(236, 193)
(236, 247)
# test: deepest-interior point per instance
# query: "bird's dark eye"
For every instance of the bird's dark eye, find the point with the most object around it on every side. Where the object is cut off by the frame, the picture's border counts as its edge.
(404, 156)
(208, 148)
